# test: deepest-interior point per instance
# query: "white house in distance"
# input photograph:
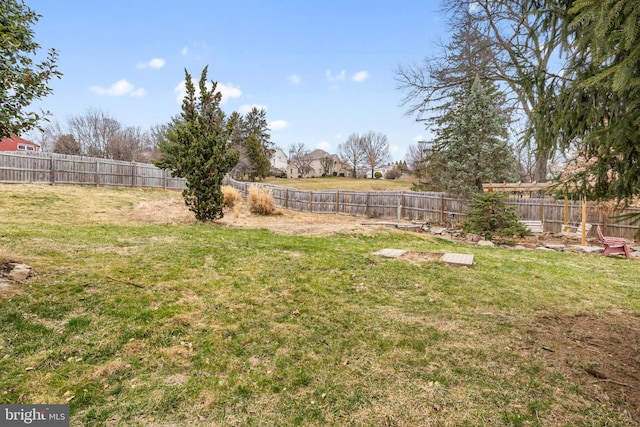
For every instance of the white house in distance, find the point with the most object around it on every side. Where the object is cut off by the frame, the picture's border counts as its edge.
(318, 163)
(279, 161)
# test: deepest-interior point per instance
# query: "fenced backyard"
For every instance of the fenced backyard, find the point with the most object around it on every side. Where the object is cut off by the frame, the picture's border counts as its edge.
(57, 169)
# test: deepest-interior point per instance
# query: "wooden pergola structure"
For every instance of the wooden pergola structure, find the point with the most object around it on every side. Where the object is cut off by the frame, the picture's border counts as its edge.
(530, 187)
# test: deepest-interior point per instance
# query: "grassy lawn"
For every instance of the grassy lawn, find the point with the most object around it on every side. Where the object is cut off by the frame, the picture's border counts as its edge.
(343, 183)
(140, 323)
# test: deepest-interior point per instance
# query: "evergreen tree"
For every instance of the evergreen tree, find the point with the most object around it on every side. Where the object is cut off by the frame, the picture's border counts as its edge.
(259, 163)
(258, 145)
(491, 216)
(597, 112)
(472, 144)
(197, 148)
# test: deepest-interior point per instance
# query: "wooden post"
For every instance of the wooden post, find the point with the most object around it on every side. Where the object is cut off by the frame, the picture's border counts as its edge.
(441, 209)
(133, 174)
(542, 213)
(286, 198)
(97, 173)
(366, 205)
(52, 170)
(584, 221)
(400, 207)
(566, 214)
(337, 202)
(310, 201)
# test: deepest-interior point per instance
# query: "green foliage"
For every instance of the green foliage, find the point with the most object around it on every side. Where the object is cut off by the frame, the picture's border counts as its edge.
(472, 145)
(21, 79)
(597, 110)
(378, 175)
(260, 165)
(491, 216)
(196, 147)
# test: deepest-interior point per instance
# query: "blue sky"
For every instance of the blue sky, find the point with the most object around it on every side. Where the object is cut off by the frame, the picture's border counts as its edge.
(321, 69)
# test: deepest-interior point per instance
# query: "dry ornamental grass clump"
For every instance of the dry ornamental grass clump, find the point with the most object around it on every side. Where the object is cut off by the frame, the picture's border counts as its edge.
(261, 201)
(231, 196)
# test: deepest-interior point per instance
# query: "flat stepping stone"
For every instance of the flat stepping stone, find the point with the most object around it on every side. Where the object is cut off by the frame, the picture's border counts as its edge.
(390, 253)
(465, 260)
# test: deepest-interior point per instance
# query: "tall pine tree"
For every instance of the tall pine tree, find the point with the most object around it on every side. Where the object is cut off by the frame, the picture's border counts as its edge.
(472, 143)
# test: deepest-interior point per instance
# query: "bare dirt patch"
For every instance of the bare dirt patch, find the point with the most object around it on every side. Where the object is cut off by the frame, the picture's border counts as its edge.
(602, 351)
(419, 256)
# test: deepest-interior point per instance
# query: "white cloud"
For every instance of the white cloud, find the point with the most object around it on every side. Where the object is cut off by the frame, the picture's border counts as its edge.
(184, 51)
(337, 77)
(245, 108)
(227, 91)
(155, 63)
(324, 145)
(418, 138)
(360, 76)
(294, 79)
(278, 124)
(138, 93)
(120, 88)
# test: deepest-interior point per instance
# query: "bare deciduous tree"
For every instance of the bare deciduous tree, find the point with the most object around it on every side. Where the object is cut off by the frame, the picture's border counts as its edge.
(376, 147)
(515, 44)
(99, 135)
(353, 152)
(299, 158)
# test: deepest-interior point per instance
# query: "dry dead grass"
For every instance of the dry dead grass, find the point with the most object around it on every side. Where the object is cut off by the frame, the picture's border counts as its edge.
(261, 201)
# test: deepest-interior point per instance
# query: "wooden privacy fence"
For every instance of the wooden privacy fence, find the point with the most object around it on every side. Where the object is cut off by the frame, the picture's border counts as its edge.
(401, 205)
(435, 207)
(52, 168)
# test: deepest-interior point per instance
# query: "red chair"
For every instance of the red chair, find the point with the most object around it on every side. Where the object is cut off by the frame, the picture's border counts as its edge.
(613, 245)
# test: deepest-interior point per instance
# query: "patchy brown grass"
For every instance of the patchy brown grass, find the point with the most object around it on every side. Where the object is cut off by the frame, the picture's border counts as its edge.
(601, 351)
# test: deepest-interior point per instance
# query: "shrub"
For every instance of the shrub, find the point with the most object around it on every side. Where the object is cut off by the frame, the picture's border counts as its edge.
(261, 201)
(231, 196)
(394, 173)
(378, 175)
(491, 216)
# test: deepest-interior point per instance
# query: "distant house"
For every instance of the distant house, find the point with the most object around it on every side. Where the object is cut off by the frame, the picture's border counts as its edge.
(279, 161)
(383, 169)
(15, 143)
(315, 164)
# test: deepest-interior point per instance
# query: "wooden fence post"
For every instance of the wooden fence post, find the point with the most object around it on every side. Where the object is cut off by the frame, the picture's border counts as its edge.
(442, 209)
(400, 207)
(133, 174)
(97, 173)
(52, 171)
(310, 201)
(337, 201)
(542, 213)
(366, 205)
(583, 239)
